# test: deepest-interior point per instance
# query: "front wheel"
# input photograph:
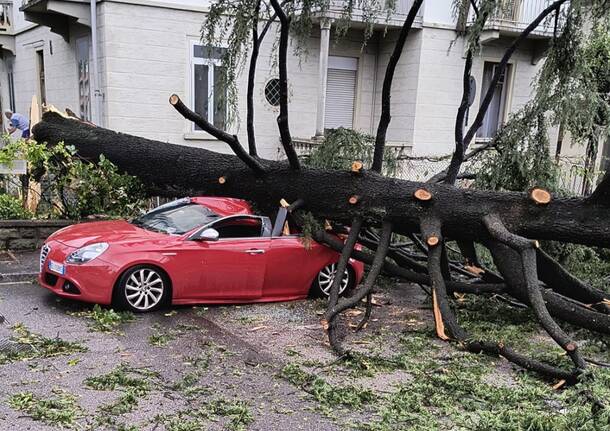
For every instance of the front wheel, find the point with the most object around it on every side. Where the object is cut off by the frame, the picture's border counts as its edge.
(142, 288)
(324, 280)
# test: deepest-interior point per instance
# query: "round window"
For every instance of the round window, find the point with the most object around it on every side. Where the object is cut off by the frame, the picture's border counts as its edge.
(272, 92)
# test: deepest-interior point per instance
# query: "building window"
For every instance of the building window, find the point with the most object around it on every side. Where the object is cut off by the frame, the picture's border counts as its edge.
(497, 108)
(84, 87)
(272, 92)
(340, 92)
(209, 95)
(41, 78)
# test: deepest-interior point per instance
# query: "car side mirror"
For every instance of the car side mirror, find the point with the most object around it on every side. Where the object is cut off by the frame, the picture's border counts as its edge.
(209, 234)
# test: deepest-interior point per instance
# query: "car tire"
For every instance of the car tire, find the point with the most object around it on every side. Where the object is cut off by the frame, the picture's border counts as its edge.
(142, 288)
(323, 281)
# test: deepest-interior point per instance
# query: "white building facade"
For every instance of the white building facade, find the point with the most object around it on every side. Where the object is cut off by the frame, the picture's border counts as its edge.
(145, 50)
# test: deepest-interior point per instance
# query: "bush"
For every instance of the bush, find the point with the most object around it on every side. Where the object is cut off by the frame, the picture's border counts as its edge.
(342, 146)
(11, 208)
(75, 188)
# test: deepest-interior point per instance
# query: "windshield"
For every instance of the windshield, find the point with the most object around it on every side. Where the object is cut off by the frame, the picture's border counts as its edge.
(176, 220)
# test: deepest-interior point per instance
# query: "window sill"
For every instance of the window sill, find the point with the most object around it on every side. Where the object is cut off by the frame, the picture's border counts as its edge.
(199, 136)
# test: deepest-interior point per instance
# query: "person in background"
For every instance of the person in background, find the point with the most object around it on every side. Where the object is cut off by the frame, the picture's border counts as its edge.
(18, 122)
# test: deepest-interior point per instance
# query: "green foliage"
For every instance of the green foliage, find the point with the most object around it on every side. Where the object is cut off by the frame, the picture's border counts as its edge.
(133, 383)
(105, 319)
(440, 388)
(590, 264)
(99, 188)
(61, 410)
(520, 159)
(236, 411)
(343, 146)
(11, 208)
(575, 80)
(571, 90)
(309, 224)
(325, 393)
(82, 188)
(34, 346)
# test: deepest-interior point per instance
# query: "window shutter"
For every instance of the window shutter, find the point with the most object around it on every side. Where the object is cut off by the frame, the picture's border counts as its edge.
(340, 92)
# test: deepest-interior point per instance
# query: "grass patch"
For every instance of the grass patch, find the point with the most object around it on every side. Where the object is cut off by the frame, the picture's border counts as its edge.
(105, 320)
(61, 410)
(29, 345)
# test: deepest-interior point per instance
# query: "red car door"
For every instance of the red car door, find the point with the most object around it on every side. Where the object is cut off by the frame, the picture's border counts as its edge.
(234, 258)
(233, 268)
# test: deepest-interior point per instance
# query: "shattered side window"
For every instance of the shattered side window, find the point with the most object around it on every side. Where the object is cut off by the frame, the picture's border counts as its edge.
(176, 218)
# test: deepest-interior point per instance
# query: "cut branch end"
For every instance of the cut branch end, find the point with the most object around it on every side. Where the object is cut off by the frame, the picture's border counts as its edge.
(432, 240)
(357, 166)
(422, 195)
(540, 196)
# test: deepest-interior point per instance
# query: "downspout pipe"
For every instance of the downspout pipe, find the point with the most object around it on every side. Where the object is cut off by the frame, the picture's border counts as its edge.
(95, 78)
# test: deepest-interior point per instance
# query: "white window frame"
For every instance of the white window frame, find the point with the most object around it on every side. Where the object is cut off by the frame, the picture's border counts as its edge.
(212, 63)
(510, 74)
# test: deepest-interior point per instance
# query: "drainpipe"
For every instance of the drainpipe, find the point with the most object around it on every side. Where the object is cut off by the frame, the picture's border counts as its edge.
(96, 114)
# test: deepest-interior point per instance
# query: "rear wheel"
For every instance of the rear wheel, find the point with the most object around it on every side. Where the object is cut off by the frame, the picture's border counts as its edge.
(324, 280)
(142, 288)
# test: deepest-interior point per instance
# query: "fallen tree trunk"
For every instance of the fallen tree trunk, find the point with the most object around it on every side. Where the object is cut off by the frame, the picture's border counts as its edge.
(174, 170)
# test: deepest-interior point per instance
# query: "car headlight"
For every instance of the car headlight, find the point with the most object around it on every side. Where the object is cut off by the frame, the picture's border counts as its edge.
(87, 253)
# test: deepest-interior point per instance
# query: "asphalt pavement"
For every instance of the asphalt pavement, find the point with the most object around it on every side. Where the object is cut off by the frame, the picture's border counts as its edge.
(192, 363)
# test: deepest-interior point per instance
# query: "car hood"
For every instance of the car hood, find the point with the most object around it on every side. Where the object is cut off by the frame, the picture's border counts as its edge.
(115, 231)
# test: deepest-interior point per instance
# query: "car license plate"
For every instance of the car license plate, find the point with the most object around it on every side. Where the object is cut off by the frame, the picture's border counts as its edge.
(57, 267)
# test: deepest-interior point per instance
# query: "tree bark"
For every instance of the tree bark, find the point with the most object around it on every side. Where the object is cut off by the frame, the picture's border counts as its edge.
(195, 171)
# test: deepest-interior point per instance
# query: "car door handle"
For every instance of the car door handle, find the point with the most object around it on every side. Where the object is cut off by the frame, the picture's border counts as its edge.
(255, 251)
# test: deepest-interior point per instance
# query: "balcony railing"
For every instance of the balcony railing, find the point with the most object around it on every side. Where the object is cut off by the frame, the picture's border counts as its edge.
(6, 17)
(395, 17)
(515, 15)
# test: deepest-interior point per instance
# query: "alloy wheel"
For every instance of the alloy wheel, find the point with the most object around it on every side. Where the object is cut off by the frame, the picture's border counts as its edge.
(144, 289)
(326, 277)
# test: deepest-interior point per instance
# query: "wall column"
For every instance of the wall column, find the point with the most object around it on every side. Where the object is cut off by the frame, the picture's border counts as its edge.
(322, 75)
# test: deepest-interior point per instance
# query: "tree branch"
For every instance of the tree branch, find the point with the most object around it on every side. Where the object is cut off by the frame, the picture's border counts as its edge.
(346, 254)
(384, 121)
(232, 140)
(282, 119)
(430, 228)
(365, 290)
(458, 154)
(527, 252)
(257, 40)
(561, 281)
(251, 77)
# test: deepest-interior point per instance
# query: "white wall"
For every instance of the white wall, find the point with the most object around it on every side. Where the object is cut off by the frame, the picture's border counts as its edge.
(440, 86)
(438, 12)
(60, 70)
(145, 60)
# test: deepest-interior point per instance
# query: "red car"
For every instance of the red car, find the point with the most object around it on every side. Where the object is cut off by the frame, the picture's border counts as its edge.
(193, 250)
